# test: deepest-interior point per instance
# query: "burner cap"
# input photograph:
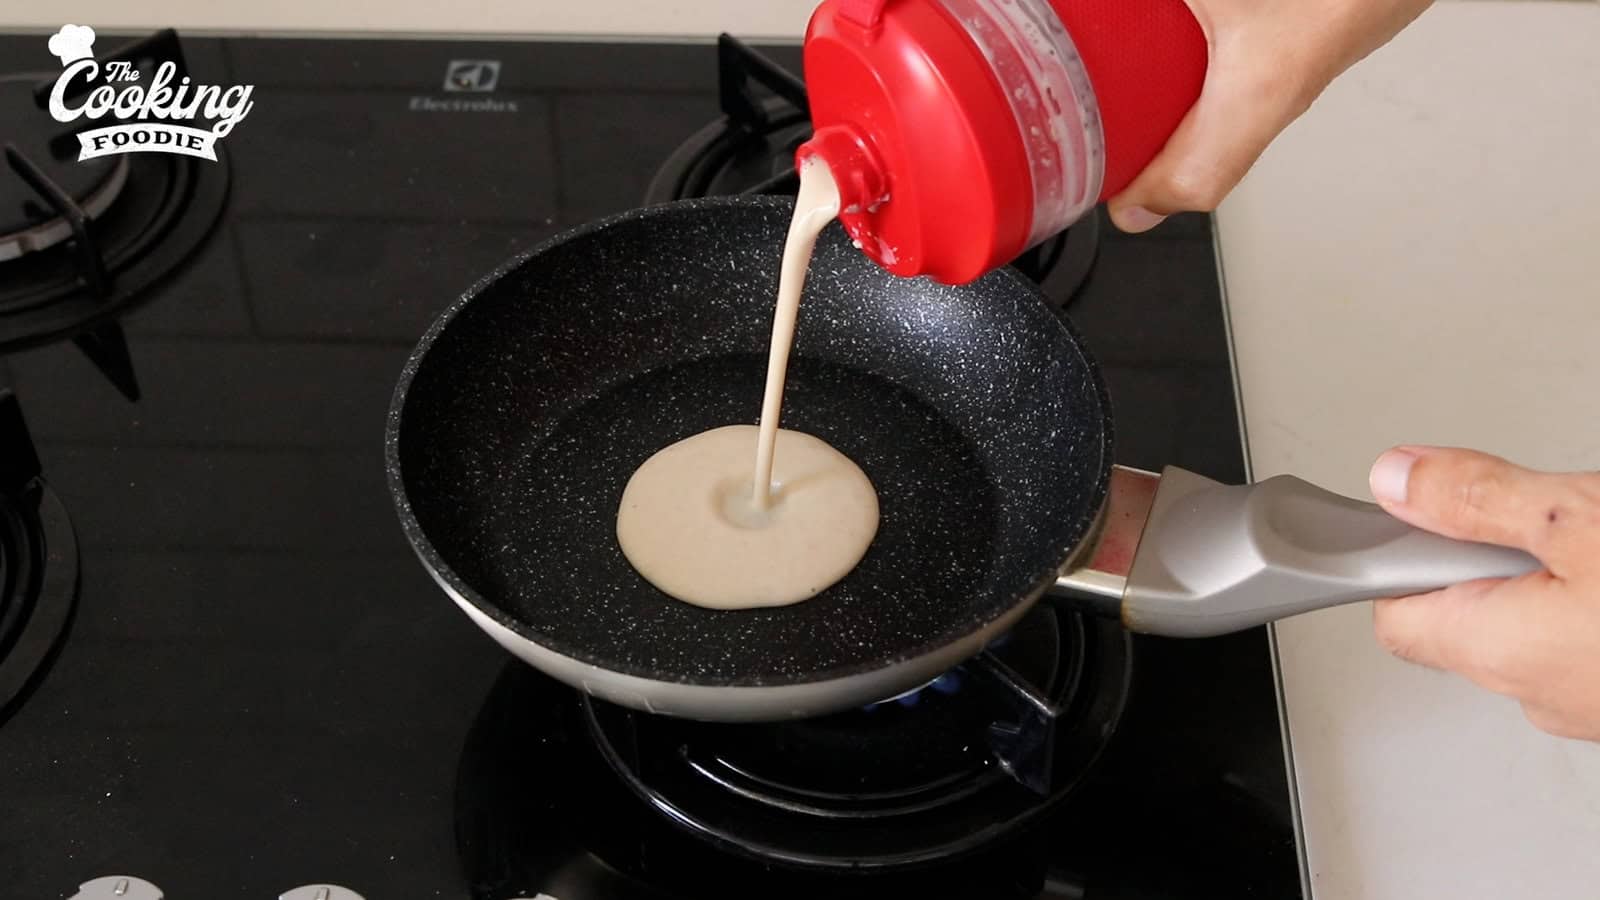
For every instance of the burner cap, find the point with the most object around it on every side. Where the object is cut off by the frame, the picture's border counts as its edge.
(27, 223)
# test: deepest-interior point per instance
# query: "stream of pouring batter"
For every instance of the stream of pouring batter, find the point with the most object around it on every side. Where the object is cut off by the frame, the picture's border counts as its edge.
(690, 520)
(816, 206)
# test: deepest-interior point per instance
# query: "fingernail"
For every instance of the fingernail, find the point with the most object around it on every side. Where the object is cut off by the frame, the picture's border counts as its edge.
(1134, 219)
(1390, 474)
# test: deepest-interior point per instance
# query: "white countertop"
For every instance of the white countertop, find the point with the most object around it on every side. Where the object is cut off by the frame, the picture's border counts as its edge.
(1418, 260)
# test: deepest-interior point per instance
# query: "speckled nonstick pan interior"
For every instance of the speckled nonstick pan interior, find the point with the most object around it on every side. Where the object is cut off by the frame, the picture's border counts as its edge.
(975, 411)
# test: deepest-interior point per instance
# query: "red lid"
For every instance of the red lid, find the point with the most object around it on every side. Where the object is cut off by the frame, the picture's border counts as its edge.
(1146, 60)
(904, 98)
(904, 86)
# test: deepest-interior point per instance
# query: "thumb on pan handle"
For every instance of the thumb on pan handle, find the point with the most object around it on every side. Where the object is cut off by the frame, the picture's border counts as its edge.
(1217, 558)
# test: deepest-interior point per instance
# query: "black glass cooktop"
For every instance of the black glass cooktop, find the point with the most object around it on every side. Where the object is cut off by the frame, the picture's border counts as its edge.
(261, 689)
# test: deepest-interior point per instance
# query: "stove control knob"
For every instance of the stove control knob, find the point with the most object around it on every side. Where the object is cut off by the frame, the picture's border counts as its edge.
(117, 887)
(320, 892)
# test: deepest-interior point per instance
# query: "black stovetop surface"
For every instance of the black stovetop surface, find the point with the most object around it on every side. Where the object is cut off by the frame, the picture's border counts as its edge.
(262, 688)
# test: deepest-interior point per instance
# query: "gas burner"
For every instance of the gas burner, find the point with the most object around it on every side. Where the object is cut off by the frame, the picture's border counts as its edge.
(80, 243)
(750, 150)
(523, 832)
(28, 225)
(954, 767)
(38, 563)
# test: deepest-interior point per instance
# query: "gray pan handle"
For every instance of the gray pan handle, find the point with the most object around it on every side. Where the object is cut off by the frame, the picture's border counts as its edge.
(1217, 558)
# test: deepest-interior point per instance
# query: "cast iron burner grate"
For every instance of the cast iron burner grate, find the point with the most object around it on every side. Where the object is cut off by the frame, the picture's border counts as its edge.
(38, 563)
(932, 775)
(28, 224)
(750, 150)
(80, 243)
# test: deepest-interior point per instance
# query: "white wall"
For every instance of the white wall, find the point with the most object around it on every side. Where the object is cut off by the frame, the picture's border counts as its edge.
(747, 18)
(662, 18)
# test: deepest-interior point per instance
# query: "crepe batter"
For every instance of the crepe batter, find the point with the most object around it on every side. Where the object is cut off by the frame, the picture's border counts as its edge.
(698, 522)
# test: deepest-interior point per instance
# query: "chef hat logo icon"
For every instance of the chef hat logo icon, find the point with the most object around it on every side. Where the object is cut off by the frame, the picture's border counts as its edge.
(72, 43)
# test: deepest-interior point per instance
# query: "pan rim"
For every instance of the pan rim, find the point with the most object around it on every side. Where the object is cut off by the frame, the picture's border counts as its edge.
(1076, 533)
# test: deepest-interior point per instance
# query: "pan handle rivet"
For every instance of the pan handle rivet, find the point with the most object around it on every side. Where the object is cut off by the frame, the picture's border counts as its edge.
(121, 887)
(323, 893)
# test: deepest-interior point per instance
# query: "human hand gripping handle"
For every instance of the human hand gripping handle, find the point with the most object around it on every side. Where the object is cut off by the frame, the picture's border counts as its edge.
(1535, 637)
(1268, 61)
(1180, 555)
(1217, 558)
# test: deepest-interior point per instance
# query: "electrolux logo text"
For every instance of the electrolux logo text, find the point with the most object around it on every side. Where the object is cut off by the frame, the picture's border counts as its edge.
(477, 77)
(89, 90)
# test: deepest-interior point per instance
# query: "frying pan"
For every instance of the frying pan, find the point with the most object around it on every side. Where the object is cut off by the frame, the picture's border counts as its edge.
(976, 411)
